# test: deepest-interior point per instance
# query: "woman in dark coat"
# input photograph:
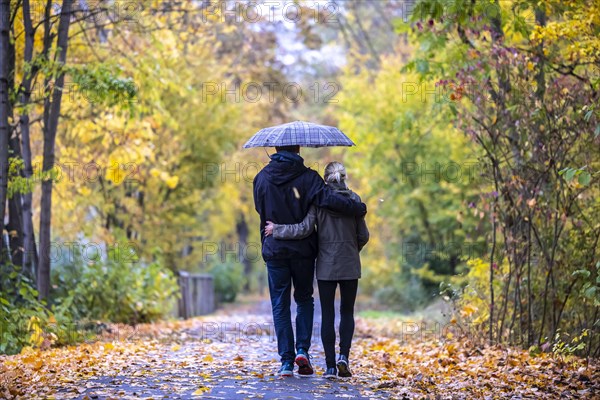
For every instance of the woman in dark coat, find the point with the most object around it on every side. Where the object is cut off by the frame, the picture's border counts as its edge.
(338, 263)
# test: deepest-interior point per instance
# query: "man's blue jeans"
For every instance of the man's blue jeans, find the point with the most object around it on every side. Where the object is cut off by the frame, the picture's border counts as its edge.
(282, 274)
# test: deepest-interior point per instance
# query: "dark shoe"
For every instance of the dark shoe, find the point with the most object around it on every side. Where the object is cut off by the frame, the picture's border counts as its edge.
(287, 369)
(303, 363)
(330, 373)
(343, 366)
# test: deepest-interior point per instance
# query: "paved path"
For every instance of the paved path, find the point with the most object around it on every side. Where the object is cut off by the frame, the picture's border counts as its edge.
(230, 356)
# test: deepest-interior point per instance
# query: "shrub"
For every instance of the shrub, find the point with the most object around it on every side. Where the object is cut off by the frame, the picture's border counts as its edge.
(404, 295)
(113, 290)
(108, 290)
(228, 279)
(26, 321)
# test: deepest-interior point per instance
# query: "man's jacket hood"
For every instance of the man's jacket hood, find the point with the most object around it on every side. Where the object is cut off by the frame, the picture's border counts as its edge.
(284, 167)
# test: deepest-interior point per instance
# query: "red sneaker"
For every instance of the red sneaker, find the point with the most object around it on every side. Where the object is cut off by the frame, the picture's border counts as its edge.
(303, 363)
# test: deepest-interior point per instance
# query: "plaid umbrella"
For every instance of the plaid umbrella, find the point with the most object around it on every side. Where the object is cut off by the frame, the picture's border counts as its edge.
(305, 134)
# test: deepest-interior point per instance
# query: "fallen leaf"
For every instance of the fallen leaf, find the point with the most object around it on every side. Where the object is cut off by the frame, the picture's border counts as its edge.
(201, 390)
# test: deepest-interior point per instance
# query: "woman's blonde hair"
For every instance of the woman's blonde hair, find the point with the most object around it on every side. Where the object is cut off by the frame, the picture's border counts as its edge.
(335, 172)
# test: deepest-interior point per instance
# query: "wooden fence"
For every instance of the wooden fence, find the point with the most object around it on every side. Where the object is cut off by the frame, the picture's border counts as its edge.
(197, 294)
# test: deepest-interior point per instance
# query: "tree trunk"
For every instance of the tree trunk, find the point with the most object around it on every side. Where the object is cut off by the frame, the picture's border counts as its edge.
(51, 114)
(15, 225)
(242, 231)
(15, 229)
(29, 250)
(491, 333)
(4, 112)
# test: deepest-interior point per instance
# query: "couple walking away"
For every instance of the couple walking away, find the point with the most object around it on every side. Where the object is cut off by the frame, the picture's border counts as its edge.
(291, 200)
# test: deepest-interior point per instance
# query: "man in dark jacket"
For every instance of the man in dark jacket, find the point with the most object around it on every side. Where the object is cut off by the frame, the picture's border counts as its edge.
(284, 191)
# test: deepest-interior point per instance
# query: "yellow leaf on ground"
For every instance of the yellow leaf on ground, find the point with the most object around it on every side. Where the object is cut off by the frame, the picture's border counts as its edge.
(201, 390)
(451, 348)
(208, 358)
(37, 364)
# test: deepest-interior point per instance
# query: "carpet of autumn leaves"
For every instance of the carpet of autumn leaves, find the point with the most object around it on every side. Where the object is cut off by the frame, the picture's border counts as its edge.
(232, 354)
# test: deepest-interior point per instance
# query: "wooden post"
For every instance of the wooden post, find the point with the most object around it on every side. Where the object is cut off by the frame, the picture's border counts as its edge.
(197, 294)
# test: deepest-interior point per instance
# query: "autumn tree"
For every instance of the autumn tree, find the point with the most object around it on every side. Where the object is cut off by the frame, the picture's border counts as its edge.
(4, 113)
(37, 66)
(523, 77)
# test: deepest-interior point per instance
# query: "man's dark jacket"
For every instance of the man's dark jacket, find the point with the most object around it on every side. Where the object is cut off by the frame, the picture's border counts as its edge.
(283, 193)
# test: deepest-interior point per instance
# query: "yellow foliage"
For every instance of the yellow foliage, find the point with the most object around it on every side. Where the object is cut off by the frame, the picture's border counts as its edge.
(577, 30)
(145, 168)
(468, 310)
(34, 326)
(172, 181)
(395, 119)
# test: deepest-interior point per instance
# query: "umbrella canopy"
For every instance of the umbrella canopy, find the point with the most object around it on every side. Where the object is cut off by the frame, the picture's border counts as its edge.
(300, 133)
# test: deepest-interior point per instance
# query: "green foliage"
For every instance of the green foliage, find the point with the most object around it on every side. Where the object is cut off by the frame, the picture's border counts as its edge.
(563, 346)
(589, 291)
(83, 290)
(228, 280)
(16, 183)
(583, 177)
(27, 322)
(114, 289)
(422, 197)
(18, 304)
(405, 294)
(101, 84)
(536, 124)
